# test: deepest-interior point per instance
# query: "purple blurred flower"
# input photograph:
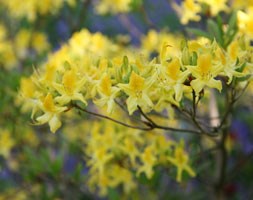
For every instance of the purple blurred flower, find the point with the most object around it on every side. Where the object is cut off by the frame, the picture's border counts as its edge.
(241, 132)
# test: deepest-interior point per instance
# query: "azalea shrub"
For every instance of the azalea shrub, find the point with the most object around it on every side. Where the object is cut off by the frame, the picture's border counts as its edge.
(126, 99)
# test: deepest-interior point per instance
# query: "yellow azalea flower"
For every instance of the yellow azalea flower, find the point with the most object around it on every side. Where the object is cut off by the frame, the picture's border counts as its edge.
(27, 87)
(169, 83)
(137, 90)
(30, 9)
(148, 158)
(180, 160)
(22, 42)
(3, 32)
(29, 91)
(70, 89)
(229, 61)
(176, 77)
(39, 42)
(165, 99)
(245, 21)
(188, 10)
(216, 6)
(6, 142)
(150, 40)
(204, 73)
(129, 147)
(100, 157)
(107, 93)
(239, 4)
(113, 6)
(51, 113)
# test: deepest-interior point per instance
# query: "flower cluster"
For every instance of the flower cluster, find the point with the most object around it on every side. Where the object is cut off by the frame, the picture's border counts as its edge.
(112, 6)
(150, 85)
(31, 9)
(193, 10)
(24, 43)
(111, 150)
(89, 72)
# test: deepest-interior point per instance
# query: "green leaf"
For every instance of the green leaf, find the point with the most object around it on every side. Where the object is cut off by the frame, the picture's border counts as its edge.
(135, 4)
(245, 78)
(232, 29)
(199, 33)
(113, 194)
(125, 63)
(194, 58)
(215, 30)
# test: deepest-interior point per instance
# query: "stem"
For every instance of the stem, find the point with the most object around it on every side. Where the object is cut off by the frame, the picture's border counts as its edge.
(193, 104)
(146, 18)
(222, 154)
(80, 17)
(132, 29)
(154, 125)
(222, 166)
(150, 124)
(114, 120)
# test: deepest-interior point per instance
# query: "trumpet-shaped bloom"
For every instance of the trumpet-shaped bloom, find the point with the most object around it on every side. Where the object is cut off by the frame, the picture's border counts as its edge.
(176, 77)
(6, 142)
(137, 90)
(245, 21)
(113, 6)
(180, 160)
(189, 10)
(70, 89)
(148, 159)
(216, 6)
(229, 61)
(205, 73)
(51, 112)
(107, 93)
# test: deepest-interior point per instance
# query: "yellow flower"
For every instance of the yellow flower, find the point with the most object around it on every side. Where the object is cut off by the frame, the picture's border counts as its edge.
(22, 42)
(6, 143)
(245, 21)
(39, 42)
(51, 112)
(130, 148)
(215, 6)
(107, 93)
(180, 160)
(204, 73)
(3, 32)
(113, 6)
(148, 159)
(137, 90)
(100, 157)
(70, 89)
(231, 60)
(27, 88)
(176, 77)
(188, 10)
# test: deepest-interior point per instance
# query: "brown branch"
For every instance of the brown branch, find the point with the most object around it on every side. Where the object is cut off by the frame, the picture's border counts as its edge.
(150, 124)
(154, 125)
(114, 120)
(132, 29)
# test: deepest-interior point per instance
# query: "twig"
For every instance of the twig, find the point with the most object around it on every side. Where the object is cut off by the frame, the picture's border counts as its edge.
(132, 29)
(114, 120)
(150, 124)
(154, 125)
